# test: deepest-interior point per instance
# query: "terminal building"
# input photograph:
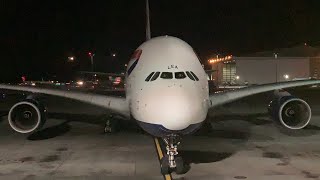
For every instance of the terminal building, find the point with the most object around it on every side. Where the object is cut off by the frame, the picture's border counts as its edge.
(296, 63)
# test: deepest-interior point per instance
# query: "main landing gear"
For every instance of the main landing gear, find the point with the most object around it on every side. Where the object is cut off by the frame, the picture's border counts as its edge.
(111, 125)
(171, 162)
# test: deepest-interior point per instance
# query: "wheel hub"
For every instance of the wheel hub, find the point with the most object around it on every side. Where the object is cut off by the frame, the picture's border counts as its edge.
(290, 112)
(27, 114)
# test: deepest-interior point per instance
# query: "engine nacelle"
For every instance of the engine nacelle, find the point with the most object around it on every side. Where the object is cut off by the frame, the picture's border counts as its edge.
(290, 112)
(27, 116)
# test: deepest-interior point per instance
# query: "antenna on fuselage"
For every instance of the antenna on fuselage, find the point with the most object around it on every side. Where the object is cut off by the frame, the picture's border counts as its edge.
(148, 32)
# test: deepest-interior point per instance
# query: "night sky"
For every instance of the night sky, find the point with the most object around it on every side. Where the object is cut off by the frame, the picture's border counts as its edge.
(38, 36)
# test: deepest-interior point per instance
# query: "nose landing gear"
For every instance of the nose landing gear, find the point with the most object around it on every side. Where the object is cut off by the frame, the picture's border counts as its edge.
(171, 162)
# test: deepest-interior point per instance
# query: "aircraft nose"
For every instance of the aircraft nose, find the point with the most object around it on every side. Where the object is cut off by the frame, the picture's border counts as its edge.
(174, 108)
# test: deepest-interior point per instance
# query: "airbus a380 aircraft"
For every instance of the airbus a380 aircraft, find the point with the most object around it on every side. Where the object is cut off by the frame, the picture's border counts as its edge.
(167, 94)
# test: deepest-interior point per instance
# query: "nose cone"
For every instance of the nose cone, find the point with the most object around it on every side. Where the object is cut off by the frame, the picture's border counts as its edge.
(174, 109)
(176, 112)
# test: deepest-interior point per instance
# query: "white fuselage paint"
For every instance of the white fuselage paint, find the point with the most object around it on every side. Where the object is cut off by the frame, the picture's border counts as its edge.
(172, 103)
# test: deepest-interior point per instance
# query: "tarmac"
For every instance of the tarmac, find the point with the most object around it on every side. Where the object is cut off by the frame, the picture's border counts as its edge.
(239, 141)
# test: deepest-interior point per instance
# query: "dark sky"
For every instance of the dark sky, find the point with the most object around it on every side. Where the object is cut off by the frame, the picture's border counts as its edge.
(39, 35)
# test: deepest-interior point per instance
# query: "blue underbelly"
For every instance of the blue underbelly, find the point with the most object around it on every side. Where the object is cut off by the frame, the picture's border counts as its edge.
(160, 131)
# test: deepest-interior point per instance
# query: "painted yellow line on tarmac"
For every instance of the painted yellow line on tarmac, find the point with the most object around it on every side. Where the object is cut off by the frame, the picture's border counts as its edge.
(160, 155)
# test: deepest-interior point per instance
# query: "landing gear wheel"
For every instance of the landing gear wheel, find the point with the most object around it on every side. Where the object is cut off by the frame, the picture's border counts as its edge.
(107, 130)
(165, 168)
(110, 126)
(180, 167)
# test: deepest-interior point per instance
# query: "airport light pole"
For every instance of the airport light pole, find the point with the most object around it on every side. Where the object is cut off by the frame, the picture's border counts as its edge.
(91, 58)
(276, 57)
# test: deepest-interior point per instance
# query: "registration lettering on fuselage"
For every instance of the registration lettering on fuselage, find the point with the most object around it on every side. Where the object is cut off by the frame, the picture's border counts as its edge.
(173, 67)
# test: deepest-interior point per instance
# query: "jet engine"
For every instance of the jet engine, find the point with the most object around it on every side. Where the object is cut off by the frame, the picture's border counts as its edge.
(291, 112)
(27, 116)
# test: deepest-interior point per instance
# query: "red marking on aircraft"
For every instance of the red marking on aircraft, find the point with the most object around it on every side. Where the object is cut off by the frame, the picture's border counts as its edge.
(136, 54)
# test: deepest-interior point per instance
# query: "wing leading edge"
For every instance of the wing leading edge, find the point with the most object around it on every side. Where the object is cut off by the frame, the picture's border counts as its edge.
(229, 96)
(115, 104)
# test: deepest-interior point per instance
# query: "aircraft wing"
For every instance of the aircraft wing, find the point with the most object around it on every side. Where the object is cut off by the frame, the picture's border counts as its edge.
(232, 95)
(118, 105)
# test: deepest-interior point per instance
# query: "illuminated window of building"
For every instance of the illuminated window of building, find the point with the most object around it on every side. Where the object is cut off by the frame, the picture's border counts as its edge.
(229, 73)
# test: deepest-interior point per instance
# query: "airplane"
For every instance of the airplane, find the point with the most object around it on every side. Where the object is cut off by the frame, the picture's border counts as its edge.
(166, 94)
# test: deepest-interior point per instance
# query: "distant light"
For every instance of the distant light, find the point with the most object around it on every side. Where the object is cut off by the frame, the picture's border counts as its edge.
(90, 53)
(117, 80)
(126, 65)
(214, 60)
(275, 55)
(80, 83)
(33, 84)
(237, 77)
(23, 78)
(286, 76)
(114, 55)
(95, 75)
(71, 58)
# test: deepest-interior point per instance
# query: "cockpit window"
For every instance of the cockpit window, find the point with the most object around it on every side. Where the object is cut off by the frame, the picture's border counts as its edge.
(166, 75)
(195, 77)
(155, 76)
(169, 75)
(190, 76)
(179, 75)
(149, 77)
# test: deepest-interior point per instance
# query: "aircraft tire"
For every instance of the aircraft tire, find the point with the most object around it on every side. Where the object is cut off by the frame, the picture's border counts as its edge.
(165, 168)
(180, 167)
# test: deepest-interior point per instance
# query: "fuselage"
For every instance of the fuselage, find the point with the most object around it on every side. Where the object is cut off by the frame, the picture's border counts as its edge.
(166, 87)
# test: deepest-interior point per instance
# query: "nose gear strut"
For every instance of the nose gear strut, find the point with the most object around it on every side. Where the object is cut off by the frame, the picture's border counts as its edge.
(172, 143)
(171, 162)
